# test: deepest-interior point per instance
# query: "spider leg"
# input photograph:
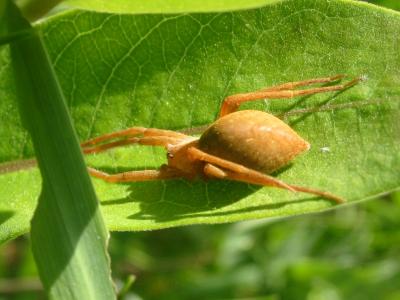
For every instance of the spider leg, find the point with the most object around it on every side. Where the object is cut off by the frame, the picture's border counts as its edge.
(283, 91)
(295, 84)
(196, 154)
(150, 141)
(164, 172)
(223, 169)
(214, 171)
(131, 132)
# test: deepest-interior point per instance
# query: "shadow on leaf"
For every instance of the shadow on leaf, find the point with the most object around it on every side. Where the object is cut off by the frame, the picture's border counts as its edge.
(5, 215)
(174, 199)
(163, 201)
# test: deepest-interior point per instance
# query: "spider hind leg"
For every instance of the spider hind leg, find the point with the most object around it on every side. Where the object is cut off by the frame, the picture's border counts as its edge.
(284, 91)
(223, 169)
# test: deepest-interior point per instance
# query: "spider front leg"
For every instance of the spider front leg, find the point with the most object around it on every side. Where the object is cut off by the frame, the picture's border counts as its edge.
(132, 132)
(283, 91)
(150, 136)
(164, 172)
(149, 141)
(223, 169)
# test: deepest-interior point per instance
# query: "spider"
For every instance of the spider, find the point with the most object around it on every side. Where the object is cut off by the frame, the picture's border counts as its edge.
(241, 145)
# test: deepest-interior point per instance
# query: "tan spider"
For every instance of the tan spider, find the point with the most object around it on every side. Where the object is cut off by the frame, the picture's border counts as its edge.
(241, 145)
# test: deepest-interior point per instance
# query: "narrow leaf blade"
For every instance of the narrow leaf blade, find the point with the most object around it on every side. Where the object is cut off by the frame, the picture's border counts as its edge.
(68, 233)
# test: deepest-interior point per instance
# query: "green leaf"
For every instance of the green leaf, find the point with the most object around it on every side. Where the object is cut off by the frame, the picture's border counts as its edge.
(166, 6)
(35, 9)
(393, 4)
(173, 71)
(68, 233)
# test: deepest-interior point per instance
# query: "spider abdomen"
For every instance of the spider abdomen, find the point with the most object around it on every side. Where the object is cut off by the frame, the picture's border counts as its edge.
(253, 139)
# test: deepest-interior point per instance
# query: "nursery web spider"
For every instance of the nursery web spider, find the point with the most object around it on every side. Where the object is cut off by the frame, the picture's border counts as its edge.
(240, 145)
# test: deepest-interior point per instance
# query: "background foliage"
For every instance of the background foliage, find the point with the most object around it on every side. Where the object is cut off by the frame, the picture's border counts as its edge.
(350, 253)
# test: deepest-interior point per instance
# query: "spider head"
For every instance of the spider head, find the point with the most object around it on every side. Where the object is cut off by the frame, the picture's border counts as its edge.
(178, 158)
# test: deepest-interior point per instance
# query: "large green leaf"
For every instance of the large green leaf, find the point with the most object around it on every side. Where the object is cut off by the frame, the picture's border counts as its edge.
(172, 71)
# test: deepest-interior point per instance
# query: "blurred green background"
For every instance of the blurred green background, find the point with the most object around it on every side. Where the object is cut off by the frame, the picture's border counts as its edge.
(348, 253)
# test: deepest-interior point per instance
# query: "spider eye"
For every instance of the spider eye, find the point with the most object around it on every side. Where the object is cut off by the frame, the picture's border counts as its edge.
(170, 155)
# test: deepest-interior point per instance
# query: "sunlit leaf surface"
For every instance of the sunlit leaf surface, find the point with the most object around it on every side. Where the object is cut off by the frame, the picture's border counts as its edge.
(172, 71)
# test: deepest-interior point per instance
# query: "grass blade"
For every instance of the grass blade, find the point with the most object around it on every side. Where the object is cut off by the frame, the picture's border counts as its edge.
(68, 233)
